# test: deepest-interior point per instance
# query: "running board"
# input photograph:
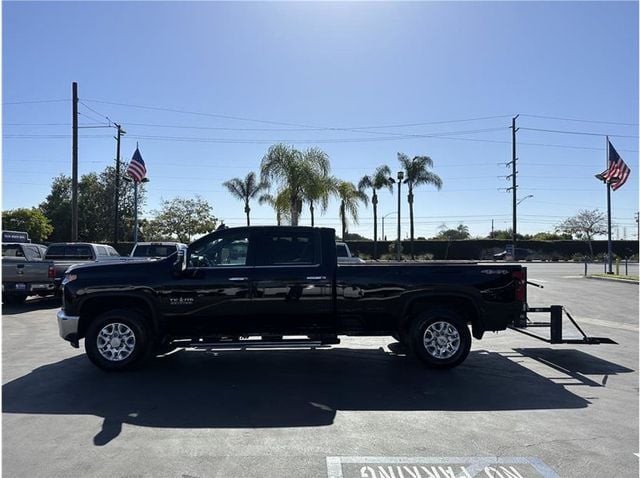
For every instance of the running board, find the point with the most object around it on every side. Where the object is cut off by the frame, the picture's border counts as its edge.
(255, 344)
(555, 326)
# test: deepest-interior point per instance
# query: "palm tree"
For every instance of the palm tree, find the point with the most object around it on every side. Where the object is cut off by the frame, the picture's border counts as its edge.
(349, 197)
(381, 178)
(417, 173)
(290, 169)
(280, 204)
(317, 190)
(245, 190)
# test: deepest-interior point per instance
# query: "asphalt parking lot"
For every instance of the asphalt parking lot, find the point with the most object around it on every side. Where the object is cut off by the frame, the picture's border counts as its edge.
(361, 408)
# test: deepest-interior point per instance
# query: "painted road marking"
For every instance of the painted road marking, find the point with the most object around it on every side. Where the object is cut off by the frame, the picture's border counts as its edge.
(430, 467)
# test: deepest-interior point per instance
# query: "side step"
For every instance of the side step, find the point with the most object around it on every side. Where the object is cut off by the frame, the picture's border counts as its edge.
(255, 344)
(555, 326)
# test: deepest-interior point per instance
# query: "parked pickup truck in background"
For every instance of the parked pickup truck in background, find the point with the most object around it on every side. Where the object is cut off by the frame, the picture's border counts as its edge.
(155, 250)
(24, 273)
(67, 254)
(240, 286)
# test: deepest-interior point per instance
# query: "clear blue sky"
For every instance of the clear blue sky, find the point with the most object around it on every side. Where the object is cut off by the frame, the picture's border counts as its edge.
(332, 65)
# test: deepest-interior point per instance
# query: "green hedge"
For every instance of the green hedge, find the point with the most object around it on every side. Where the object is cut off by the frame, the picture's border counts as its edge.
(483, 249)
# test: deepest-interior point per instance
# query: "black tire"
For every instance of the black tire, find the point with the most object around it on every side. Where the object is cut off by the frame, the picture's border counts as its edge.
(129, 334)
(440, 338)
(13, 299)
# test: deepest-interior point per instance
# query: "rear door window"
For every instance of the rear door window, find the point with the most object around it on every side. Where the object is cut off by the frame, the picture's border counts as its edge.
(288, 249)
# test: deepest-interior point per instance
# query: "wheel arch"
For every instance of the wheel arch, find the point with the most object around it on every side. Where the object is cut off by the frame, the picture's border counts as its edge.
(94, 306)
(463, 304)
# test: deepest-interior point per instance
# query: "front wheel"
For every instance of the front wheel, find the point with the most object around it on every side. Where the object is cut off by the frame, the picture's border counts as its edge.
(440, 338)
(117, 340)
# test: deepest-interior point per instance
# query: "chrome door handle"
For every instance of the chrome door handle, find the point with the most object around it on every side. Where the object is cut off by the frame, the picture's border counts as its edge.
(238, 279)
(316, 277)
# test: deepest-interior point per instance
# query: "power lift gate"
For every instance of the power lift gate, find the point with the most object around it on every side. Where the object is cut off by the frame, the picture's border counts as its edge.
(555, 325)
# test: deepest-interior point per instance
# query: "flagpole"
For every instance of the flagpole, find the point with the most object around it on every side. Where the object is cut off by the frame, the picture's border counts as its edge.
(135, 211)
(609, 253)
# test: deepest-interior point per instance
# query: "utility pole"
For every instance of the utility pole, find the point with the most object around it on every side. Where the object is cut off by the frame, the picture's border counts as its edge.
(491, 229)
(514, 185)
(638, 225)
(116, 228)
(74, 164)
(399, 243)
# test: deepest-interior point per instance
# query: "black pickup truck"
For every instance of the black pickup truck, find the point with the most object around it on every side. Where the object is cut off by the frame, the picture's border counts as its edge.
(260, 286)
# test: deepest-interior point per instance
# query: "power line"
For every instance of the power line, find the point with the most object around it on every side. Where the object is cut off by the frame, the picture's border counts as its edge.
(96, 112)
(579, 120)
(32, 102)
(579, 132)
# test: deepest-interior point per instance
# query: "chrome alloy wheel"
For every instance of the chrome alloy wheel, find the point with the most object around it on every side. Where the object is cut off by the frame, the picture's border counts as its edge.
(441, 340)
(116, 341)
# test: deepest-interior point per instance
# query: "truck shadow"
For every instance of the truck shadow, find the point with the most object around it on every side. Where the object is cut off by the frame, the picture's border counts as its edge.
(575, 364)
(258, 389)
(33, 303)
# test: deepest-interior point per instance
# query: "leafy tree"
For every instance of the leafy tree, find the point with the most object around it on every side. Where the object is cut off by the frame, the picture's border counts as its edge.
(550, 236)
(57, 209)
(96, 207)
(245, 190)
(504, 234)
(349, 197)
(459, 233)
(290, 169)
(585, 225)
(31, 221)
(352, 236)
(416, 174)
(184, 218)
(381, 178)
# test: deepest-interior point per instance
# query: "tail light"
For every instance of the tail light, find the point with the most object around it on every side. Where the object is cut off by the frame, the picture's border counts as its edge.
(52, 272)
(520, 279)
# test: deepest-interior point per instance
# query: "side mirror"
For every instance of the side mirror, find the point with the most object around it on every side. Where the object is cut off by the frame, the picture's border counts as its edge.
(180, 264)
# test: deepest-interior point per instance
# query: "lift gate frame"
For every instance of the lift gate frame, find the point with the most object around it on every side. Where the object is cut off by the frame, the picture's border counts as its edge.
(555, 325)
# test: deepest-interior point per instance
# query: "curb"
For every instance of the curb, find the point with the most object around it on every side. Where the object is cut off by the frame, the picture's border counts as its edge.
(611, 279)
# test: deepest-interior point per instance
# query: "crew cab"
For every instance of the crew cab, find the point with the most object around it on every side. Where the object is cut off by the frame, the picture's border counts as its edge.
(242, 286)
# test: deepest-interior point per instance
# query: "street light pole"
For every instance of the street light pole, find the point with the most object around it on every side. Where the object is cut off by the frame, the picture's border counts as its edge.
(400, 178)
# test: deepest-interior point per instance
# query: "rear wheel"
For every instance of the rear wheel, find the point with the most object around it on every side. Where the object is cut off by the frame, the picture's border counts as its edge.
(117, 340)
(440, 338)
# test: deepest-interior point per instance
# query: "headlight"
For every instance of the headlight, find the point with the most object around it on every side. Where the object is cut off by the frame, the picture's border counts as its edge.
(68, 278)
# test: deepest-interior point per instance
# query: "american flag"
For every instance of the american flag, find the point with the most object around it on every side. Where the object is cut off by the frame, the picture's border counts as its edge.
(618, 171)
(136, 169)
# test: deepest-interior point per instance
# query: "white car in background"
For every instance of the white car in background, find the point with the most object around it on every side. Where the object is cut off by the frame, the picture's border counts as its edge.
(345, 256)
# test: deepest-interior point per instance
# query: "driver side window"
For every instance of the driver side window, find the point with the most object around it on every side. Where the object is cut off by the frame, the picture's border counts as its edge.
(225, 251)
